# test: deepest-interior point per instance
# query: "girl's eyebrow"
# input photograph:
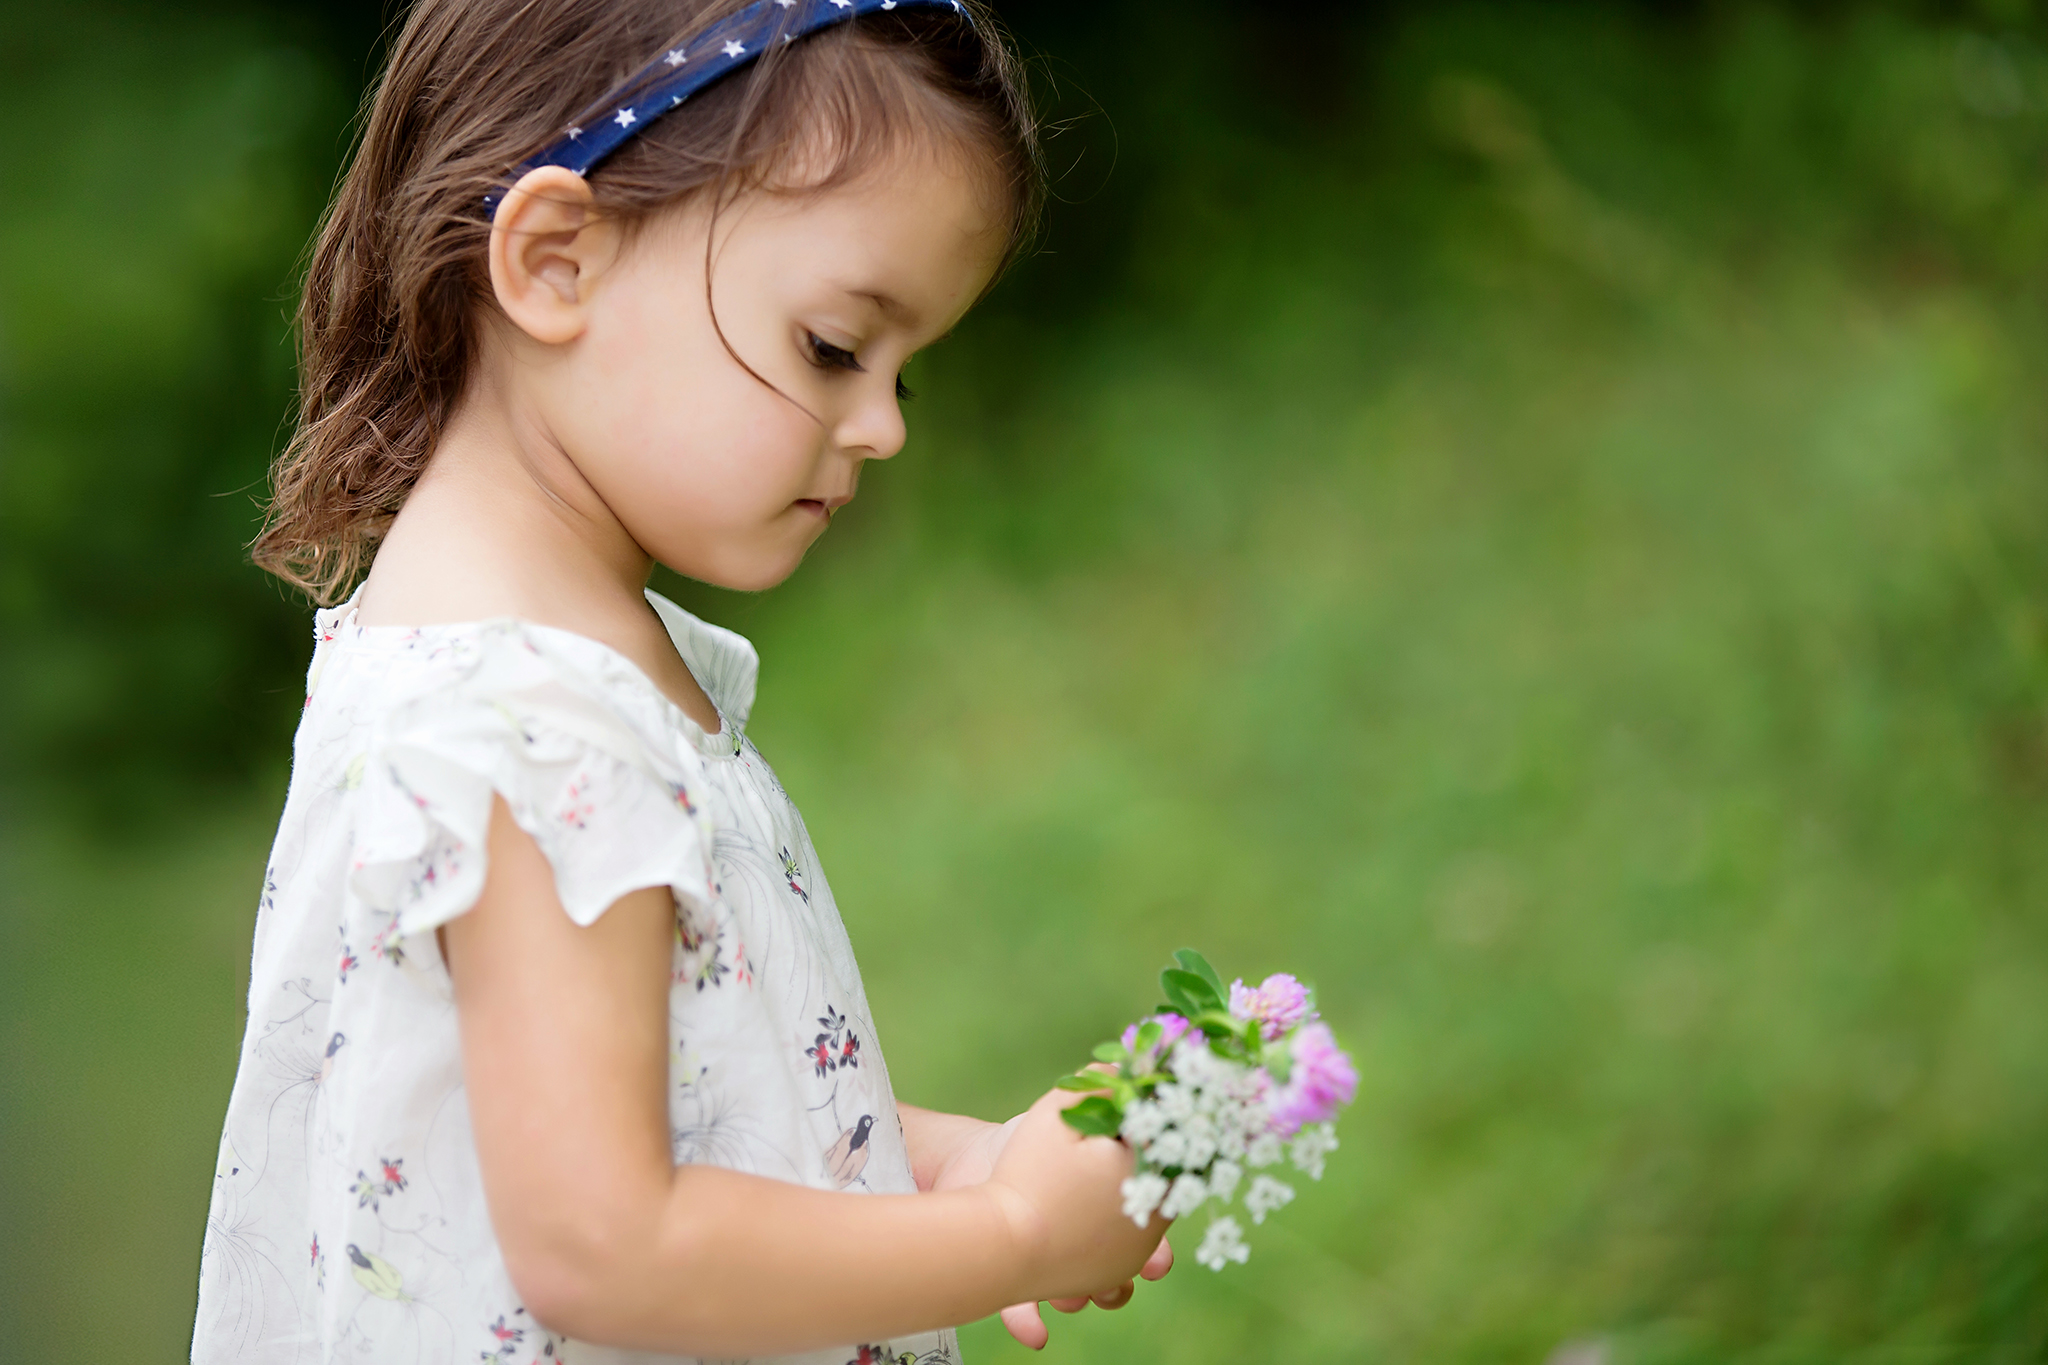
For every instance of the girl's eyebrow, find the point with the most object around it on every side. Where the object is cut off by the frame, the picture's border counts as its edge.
(892, 308)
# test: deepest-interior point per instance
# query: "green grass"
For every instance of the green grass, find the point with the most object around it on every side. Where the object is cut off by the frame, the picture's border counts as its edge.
(1558, 559)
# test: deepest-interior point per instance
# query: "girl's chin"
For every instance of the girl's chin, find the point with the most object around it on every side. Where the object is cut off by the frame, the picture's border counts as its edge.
(754, 571)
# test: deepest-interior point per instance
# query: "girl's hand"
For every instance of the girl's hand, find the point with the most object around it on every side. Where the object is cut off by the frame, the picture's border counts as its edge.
(1024, 1323)
(971, 1161)
(1034, 1155)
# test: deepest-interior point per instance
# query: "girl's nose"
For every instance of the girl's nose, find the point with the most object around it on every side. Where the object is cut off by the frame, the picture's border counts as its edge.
(875, 425)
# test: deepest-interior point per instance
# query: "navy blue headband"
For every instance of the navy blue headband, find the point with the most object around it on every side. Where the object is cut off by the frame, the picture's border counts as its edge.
(685, 69)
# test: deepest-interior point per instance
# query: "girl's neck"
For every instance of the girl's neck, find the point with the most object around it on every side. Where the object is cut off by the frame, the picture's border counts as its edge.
(501, 524)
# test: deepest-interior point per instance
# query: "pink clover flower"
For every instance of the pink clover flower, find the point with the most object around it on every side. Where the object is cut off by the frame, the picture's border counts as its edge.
(1320, 1079)
(1278, 1003)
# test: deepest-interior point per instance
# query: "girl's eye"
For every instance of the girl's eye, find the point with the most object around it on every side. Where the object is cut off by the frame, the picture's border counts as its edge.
(833, 357)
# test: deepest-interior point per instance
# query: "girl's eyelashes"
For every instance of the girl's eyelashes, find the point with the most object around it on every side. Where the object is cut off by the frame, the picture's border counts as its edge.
(830, 357)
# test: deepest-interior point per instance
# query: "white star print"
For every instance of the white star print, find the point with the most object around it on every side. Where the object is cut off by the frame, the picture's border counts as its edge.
(575, 133)
(675, 57)
(625, 118)
(735, 48)
(888, 4)
(785, 3)
(842, 4)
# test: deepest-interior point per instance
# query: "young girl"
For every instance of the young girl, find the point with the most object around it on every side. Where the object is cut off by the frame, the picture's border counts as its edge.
(557, 1049)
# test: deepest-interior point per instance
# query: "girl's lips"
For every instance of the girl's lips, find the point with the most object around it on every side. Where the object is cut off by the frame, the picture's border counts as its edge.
(816, 507)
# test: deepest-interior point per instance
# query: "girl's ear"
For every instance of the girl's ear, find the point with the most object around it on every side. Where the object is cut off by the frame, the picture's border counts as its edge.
(548, 247)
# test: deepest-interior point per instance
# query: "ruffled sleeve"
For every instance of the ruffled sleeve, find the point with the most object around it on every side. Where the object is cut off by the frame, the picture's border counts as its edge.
(612, 808)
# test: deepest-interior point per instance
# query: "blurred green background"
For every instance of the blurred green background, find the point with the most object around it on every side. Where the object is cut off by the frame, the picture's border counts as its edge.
(1533, 515)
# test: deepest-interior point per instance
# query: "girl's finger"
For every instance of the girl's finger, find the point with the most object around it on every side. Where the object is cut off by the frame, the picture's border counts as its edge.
(1069, 1305)
(1115, 1298)
(1161, 1260)
(1022, 1322)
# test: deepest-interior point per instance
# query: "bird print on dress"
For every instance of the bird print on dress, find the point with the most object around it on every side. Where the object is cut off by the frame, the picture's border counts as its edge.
(334, 1045)
(376, 1274)
(848, 1157)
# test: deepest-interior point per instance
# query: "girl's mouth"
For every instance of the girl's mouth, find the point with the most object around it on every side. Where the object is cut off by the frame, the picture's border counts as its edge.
(817, 507)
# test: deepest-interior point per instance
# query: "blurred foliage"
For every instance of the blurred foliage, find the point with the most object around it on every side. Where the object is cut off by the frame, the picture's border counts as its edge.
(1533, 514)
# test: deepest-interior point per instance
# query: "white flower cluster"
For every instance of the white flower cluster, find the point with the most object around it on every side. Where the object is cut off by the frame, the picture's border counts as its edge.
(1195, 1139)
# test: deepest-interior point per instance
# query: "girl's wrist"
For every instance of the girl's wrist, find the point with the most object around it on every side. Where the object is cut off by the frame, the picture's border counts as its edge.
(1023, 1236)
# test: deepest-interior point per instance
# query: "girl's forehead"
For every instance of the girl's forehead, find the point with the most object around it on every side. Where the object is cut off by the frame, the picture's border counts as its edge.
(914, 243)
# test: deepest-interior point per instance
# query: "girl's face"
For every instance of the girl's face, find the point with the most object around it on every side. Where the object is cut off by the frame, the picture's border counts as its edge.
(825, 295)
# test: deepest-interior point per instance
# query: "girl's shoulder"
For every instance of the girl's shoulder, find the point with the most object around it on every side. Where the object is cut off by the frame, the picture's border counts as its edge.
(600, 767)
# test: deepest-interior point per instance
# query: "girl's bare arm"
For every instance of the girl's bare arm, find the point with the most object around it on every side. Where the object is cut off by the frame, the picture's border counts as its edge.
(565, 1050)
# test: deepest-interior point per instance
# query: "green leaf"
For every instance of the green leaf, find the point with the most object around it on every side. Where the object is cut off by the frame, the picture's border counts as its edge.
(1198, 994)
(1082, 1080)
(1277, 1060)
(1192, 961)
(1149, 1035)
(1111, 1053)
(1177, 1001)
(1096, 1116)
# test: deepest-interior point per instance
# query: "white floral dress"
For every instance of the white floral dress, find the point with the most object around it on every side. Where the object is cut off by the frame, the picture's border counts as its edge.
(348, 1218)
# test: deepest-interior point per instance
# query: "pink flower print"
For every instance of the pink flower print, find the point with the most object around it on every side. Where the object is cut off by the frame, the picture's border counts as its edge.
(314, 1259)
(372, 1190)
(386, 945)
(836, 1046)
(349, 962)
(682, 798)
(1320, 1078)
(699, 957)
(1278, 1003)
(576, 815)
(790, 873)
(507, 1336)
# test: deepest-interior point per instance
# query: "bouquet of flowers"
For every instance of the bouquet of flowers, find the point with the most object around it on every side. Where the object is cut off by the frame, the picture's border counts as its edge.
(1219, 1083)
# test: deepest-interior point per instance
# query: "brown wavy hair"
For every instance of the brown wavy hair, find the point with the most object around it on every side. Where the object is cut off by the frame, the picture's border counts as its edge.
(397, 279)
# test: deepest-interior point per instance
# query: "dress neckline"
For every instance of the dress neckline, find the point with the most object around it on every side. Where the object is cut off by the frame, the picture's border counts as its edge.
(722, 662)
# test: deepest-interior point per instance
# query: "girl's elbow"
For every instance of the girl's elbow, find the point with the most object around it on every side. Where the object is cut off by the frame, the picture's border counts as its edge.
(565, 1291)
(598, 1285)
(576, 1278)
